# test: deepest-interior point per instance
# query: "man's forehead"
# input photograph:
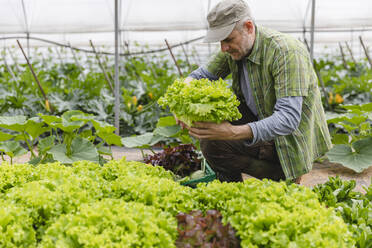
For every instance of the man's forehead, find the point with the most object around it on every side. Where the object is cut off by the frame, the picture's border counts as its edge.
(231, 36)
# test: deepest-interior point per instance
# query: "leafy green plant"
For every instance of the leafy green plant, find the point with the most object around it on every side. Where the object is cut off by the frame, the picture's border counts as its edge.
(89, 204)
(353, 148)
(15, 226)
(166, 132)
(112, 222)
(72, 145)
(354, 207)
(201, 100)
(271, 214)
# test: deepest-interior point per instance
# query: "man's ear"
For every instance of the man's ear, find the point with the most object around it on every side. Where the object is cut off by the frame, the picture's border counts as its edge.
(249, 26)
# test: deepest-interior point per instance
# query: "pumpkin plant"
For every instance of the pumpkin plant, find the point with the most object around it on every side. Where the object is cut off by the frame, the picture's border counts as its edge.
(353, 138)
(67, 138)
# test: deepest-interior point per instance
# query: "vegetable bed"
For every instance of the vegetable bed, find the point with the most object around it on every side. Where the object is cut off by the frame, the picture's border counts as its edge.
(132, 204)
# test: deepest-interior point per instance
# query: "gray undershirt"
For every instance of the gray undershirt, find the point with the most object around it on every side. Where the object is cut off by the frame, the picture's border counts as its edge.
(284, 120)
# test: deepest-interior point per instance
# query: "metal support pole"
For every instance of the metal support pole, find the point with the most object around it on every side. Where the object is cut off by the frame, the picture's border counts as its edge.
(117, 82)
(312, 30)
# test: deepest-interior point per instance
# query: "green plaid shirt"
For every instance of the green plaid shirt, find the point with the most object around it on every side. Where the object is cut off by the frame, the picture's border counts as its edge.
(280, 66)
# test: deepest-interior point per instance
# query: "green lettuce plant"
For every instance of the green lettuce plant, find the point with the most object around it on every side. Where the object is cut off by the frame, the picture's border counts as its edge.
(201, 100)
(113, 223)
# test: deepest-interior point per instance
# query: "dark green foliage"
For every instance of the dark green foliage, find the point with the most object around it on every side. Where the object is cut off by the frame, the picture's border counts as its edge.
(354, 207)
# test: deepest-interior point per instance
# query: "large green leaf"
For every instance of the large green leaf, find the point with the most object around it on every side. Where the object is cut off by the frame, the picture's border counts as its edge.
(110, 138)
(5, 136)
(46, 144)
(15, 123)
(340, 139)
(50, 119)
(142, 141)
(167, 131)
(66, 122)
(81, 149)
(12, 149)
(103, 127)
(35, 128)
(59, 153)
(166, 121)
(357, 157)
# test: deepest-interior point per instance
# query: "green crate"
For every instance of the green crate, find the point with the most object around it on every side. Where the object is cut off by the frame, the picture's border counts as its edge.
(210, 175)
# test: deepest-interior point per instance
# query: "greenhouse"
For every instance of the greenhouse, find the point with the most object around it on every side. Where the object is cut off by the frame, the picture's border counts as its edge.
(199, 123)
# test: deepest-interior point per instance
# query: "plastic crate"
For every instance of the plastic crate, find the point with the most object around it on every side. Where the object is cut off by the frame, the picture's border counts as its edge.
(210, 175)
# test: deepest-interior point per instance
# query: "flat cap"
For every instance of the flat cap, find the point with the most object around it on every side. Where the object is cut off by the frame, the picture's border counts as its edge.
(223, 17)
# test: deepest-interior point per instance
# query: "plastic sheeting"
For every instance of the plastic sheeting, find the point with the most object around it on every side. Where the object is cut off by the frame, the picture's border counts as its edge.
(150, 21)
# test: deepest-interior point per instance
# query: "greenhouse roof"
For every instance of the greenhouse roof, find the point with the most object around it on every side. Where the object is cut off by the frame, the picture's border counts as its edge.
(149, 22)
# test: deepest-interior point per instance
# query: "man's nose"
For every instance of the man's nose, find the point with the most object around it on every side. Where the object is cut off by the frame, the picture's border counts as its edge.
(224, 47)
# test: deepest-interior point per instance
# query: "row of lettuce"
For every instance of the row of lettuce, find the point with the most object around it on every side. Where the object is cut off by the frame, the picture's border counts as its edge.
(132, 204)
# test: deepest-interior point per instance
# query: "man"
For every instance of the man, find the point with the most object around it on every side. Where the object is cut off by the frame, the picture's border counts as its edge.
(283, 128)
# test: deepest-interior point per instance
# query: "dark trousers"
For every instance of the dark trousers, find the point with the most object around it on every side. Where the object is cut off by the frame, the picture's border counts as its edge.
(230, 158)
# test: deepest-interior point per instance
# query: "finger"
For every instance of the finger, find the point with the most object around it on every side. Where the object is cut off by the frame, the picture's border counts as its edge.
(200, 124)
(202, 136)
(200, 131)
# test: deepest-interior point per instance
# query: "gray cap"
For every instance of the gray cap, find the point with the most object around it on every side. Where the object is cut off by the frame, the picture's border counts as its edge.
(223, 18)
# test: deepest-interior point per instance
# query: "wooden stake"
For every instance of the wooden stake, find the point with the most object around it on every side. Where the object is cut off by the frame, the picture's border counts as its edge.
(343, 56)
(366, 52)
(350, 51)
(323, 87)
(47, 104)
(101, 66)
(174, 59)
(319, 77)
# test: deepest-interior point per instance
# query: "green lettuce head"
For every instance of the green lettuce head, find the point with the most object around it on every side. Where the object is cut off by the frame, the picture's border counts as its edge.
(201, 100)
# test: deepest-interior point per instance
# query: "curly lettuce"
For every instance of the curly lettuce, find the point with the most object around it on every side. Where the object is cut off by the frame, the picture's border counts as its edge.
(201, 100)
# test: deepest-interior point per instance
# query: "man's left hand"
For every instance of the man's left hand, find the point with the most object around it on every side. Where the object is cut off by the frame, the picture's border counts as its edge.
(222, 131)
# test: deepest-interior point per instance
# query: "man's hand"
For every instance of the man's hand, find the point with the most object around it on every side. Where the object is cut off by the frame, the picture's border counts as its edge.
(222, 131)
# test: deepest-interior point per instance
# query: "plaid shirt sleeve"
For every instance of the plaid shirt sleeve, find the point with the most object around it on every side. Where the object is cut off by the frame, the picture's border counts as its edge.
(291, 73)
